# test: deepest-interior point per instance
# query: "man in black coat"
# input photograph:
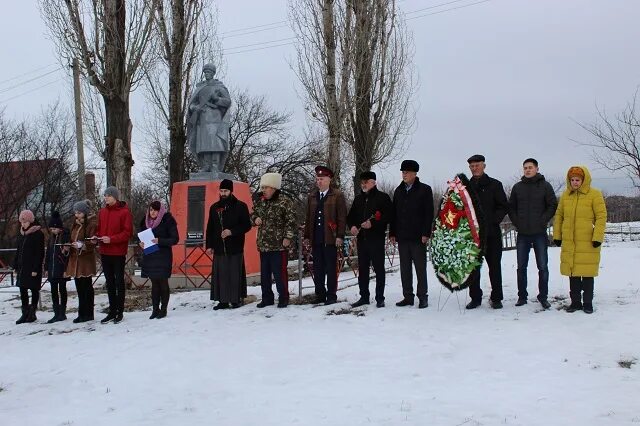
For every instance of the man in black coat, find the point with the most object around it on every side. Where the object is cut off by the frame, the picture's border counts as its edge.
(368, 219)
(228, 222)
(494, 206)
(532, 205)
(411, 228)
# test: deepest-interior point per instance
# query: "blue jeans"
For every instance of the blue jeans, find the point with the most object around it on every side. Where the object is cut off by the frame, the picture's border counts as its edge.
(539, 242)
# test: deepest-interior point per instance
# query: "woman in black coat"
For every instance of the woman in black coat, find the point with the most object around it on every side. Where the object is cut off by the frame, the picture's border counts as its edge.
(55, 266)
(157, 265)
(28, 264)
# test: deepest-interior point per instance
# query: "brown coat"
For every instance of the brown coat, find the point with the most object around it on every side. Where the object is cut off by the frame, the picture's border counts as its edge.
(82, 263)
(335, 216)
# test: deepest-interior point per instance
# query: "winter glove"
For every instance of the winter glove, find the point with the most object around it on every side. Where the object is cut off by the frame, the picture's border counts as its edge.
(557, 242)
(596, 244)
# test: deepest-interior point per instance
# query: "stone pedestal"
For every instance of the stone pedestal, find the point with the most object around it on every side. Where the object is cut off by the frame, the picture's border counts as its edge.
(190, 203)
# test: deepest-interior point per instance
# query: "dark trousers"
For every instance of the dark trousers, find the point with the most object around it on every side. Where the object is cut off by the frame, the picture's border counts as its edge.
(493, 256)
(539, 242)
(58, 292)
(371, 253)
(24, 298)
(413, 253)
(581, 291)
(325, 265)
(160, 293)
(113, 269)
(274, 264)
(84, 288)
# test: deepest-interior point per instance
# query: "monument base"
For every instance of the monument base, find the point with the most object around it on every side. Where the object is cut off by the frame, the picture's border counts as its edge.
(190, 203)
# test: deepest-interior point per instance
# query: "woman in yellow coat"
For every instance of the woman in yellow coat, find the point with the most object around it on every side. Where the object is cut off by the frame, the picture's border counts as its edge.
(579, 229)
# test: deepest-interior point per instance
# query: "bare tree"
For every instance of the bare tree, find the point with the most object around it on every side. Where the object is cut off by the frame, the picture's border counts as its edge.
(110, 39)
(36, 165)
(616, 144)
(185, 32)
(368, 102)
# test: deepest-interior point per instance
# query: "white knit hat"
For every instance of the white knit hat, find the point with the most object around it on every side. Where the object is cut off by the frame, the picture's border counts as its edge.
(274, 180)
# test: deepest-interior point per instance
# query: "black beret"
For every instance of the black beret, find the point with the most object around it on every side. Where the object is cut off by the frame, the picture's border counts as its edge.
(475, 158)
(226, 184)
(410, 166)
(324, 171)
(367, 175)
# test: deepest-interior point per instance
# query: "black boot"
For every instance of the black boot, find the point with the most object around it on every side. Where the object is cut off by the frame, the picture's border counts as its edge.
(405, 302)
(423, 302)
(62, 312)
(587, 296)
(155, 313)
(119, 317)
(162, 313)
(23, 317)
(221, 305)
(264, 303)
(110, 317)
(473, 304)
(575, 288)
(31, 314)
(56, 308)
(521, 301)
(362, 301)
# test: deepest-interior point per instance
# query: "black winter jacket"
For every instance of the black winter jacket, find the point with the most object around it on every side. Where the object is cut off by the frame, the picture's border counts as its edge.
(55, 262)
(412, 212)
(160, 263)
(364, 207)
(29, 258)
(493, 202)
(235, 217)
(532, 205)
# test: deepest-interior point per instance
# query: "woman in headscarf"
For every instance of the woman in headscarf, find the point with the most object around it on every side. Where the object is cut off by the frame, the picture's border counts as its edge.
(28, 264)
(579, 229)
(157, 262)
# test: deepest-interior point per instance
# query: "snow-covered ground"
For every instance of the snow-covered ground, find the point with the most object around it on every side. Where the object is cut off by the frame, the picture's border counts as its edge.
(391, 366)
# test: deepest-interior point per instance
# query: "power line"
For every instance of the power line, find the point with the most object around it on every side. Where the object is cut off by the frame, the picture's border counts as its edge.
(448, 10)
(26, 73)
(8, 89)
(254, 27)
(29, 91)
(260, 48)
(258, 31)
(434, 6)
(259, 44)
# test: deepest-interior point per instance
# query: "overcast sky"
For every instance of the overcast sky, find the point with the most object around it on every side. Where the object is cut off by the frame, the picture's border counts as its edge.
(505, 78)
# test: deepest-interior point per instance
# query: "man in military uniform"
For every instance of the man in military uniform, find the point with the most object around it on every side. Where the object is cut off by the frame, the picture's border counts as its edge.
(368, 219)
(325, 225)
(274, 215)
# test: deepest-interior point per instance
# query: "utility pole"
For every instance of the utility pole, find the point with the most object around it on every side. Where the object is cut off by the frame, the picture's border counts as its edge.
(79, 136)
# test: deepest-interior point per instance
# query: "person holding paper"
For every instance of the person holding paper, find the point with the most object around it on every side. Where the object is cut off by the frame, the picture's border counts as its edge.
(114, 230)
(82, 258)
(158, 233)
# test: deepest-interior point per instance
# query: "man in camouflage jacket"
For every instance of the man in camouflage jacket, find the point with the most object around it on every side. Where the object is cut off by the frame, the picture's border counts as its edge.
(274, 216)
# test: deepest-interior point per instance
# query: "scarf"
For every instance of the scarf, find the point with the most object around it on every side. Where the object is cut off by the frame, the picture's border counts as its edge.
(152, 223)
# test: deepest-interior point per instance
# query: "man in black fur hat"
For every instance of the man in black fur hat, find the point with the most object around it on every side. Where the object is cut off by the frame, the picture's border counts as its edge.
(411, 229)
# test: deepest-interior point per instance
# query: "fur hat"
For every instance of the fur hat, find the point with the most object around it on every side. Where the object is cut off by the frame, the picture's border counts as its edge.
(55, 221)
(367, 175)
(226, 184)
(83, 206)
(112, 191)
(575, 171)
(410, 166)
(27, 215)
(274, 180)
